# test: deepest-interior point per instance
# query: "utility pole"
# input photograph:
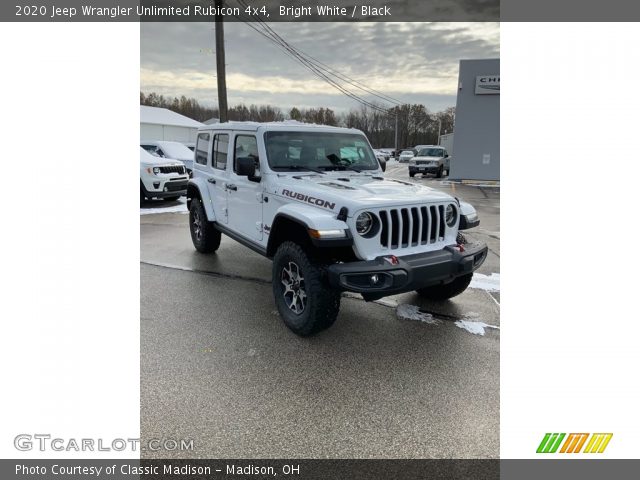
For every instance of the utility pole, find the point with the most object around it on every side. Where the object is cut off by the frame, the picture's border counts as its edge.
(396, 146)
(439, 129)
(220, 65)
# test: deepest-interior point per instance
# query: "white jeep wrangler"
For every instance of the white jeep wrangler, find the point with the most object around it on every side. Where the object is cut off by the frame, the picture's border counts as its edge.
(314, 200)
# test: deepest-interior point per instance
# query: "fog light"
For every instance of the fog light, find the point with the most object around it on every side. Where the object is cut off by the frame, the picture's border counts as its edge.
(374, 279)
(166, 189)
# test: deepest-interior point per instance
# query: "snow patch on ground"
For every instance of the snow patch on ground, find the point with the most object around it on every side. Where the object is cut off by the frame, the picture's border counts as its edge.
(387, 302)
(413, 313)
(488, 283)
(470, 184)
(471, 326)
(172, 208)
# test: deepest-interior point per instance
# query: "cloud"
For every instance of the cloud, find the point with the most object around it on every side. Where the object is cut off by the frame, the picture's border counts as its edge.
(413, 62)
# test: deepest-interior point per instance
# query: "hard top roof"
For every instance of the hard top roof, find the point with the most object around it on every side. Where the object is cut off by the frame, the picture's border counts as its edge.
(285, 125)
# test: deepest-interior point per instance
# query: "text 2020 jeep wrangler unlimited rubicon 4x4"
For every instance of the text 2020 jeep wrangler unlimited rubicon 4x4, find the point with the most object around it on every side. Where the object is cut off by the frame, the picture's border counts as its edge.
(314, 200)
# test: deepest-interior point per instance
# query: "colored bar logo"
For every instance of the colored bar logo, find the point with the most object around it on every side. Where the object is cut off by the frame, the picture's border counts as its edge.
(574, 442)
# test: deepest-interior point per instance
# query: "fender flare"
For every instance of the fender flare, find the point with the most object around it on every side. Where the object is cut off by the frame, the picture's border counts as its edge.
(311, 217)
(468, 216)
(194, 190)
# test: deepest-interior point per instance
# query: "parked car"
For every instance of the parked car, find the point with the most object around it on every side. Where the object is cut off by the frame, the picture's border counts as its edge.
(385, 154)
(170, 150)
(406, 155)
(430, 159)
(161, 177)
(313, 200)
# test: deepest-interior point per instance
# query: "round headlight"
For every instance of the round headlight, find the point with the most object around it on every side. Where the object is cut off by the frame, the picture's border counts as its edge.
(156, 170)
(450, 215)
(364, 222)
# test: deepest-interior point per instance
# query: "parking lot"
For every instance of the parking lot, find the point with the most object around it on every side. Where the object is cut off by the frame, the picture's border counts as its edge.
(219, 366)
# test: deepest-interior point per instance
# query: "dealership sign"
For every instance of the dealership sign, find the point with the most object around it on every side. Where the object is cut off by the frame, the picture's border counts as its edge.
(488, 85)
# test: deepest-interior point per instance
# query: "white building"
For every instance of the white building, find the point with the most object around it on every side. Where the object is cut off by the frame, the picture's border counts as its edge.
(162, 124)
(446, 141)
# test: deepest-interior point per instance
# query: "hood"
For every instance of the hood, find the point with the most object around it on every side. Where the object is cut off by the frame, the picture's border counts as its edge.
(148, 160)
(356, 191)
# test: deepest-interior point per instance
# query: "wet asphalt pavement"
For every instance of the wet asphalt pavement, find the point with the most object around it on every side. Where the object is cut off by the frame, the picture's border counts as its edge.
(218, 365)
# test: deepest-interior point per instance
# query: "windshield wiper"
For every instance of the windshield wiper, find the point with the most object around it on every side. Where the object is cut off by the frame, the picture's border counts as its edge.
(341, 167)
(298, 168)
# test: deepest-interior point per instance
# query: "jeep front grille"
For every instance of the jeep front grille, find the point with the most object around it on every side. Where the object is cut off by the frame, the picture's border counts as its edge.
(173, 169)
(411, 226)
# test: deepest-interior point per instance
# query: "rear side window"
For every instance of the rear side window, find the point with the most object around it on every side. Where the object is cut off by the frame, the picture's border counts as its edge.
(202, 148)
(220, 149)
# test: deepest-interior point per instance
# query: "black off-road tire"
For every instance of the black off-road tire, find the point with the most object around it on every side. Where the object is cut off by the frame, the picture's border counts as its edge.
(142, 198)
(205, 237)
(446, 291)
(321, 306)
(412, 174)
(171, 199)
(440, 172)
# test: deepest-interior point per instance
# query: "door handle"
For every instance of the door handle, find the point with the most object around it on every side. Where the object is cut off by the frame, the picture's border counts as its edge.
(211, 180)
(231, 186)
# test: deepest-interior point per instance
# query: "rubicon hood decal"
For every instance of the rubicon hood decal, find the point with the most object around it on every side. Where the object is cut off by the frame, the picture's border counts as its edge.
(309, 199)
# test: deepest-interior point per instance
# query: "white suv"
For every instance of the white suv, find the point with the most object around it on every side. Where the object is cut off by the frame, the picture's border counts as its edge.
(170, 151)
(314, 200)
(161, 178)
(429, 159)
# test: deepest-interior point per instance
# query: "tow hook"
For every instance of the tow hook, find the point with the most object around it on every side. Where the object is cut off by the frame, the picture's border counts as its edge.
(460, 248)
(392, 259)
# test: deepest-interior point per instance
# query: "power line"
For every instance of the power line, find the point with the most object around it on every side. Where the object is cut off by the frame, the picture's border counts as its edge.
(318, 68)
(288, 50)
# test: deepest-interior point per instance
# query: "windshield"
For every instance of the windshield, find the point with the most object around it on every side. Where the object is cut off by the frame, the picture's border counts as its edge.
(319, 151)
(177, 150)
(431, 152)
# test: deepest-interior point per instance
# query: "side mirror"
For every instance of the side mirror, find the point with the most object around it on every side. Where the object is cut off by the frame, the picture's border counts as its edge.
(446, 155)
(246, 167)
(383, 164)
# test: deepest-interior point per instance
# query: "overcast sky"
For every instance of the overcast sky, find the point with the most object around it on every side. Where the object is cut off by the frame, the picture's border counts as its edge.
(413, 62)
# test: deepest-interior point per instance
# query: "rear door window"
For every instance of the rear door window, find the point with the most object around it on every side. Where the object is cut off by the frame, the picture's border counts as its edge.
(202, 148)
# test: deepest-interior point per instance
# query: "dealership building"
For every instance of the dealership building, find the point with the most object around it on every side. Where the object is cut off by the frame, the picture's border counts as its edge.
(163, 124)
(476, 143)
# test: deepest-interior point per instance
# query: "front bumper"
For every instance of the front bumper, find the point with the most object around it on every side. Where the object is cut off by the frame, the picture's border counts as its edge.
(162, 188)
(380, 278)
(424, 169)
